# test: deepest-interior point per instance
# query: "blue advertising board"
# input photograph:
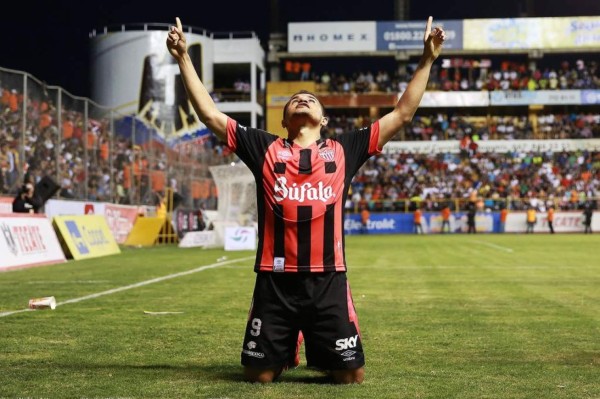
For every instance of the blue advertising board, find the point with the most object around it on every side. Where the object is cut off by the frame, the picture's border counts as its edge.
(408, 35)
(402, 223)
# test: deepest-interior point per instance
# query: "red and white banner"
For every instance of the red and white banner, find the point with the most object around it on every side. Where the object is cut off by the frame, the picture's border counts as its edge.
(120, 219)
(564, 222)
(27, 240)
(54, 207)
(6, 204)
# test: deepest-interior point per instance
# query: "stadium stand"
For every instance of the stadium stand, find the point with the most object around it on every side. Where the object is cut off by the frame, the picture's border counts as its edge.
(95, 153)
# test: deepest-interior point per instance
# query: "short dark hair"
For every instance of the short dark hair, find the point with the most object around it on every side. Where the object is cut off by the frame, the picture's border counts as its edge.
(302, 92)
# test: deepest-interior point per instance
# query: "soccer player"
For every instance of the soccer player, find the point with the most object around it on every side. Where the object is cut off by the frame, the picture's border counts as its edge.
(301, 185)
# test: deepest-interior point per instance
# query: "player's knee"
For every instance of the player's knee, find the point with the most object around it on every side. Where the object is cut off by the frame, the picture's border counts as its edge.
(355, 376)
(263, 376)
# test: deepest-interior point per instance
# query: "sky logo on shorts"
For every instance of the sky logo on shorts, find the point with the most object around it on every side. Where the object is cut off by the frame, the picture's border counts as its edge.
(346, 343)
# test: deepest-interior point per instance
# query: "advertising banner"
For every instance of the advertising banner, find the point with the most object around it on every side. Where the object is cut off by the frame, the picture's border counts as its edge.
(499, 146)
(198, 239)
(454, 99)
(56, 207)
(6, 204)
(408, 35)
(527, 97)
(332, 37)
(402, 223)
(187, 220)
(240, 238)
(531, 33)
(120, 219)
(564, 222)
(27, 240)
(590, 96)
(86, 236)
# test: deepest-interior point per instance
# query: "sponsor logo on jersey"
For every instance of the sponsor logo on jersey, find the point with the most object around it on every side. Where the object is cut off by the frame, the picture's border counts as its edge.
(301, 192)
(284, 155)
(327, 154)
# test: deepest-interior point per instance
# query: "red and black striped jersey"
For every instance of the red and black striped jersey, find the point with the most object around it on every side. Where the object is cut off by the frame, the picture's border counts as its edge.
(301, 194)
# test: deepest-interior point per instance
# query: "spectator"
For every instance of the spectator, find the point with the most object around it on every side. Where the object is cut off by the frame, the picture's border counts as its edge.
(588, 212)
(531, 217)
(365, 215)
(27, 201)
(417, 226)
(445, 218)
(550, 218)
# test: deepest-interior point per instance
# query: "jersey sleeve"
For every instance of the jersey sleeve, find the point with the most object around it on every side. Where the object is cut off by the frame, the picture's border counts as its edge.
(249, 144)
(360, 145)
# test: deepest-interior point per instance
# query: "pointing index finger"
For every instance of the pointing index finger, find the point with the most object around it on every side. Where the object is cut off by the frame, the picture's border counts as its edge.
(180, 28)
(428, 27)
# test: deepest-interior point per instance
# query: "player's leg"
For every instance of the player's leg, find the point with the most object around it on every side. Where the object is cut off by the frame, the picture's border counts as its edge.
(351, 376)
(332, 337)
(271, 336)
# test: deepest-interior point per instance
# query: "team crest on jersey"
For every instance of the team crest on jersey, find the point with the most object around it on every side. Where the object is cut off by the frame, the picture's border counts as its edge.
(327, 154)
(284, 155)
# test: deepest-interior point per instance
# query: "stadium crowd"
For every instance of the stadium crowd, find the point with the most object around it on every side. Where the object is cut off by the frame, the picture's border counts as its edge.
(118, 170)
(404, 181)
(76, 153)
(459, 125)
(507, 75)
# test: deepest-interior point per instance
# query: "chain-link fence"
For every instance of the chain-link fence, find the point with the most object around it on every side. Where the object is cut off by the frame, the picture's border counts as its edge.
(96, 153)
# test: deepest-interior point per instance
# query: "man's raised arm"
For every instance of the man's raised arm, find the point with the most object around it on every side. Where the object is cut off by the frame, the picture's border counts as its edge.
(406, 107)
(201, 100)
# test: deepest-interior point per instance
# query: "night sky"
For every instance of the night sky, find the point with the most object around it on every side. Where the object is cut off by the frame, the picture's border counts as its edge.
(50, 39)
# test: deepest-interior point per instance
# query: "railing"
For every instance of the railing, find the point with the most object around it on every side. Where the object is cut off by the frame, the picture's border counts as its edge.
(153, 26)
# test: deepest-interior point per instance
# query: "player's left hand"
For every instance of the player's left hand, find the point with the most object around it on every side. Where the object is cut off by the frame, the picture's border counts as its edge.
(176, 42)
(433, 40)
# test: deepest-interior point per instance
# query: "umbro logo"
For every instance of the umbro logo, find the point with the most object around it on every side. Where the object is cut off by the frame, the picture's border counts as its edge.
(348, 353)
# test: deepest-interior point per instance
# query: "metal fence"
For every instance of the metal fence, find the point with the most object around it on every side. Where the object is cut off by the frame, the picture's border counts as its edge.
(94, 152)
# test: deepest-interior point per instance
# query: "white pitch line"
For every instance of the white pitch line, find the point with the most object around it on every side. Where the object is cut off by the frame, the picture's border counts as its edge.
(136, 285)
(496, 246)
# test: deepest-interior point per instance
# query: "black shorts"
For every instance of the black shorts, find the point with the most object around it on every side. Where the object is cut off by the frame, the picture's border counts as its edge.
(318, 304)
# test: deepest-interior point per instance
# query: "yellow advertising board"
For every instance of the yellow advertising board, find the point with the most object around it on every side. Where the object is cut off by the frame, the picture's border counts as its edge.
(145, 231)
(531, 33)
(85, 236)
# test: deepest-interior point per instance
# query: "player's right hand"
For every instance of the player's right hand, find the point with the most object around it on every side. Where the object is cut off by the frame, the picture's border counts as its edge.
(176, 40)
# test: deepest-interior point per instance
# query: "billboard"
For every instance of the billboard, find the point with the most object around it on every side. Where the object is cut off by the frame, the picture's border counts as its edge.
(408, 35)
(498, 146)
(27, 240)
(331, 37)
(531, 33)
(86, 236)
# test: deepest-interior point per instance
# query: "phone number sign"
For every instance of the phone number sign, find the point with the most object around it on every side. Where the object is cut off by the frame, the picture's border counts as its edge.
(408, 35)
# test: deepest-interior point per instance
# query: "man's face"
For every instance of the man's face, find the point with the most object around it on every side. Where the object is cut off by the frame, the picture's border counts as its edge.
(29, 190)
(304, 104)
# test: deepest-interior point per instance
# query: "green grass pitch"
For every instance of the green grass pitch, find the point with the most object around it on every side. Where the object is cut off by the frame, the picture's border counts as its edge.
(453, 316)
